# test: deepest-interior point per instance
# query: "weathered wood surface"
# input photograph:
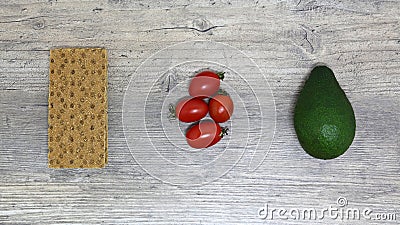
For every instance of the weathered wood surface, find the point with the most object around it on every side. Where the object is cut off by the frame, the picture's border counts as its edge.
(360, 40)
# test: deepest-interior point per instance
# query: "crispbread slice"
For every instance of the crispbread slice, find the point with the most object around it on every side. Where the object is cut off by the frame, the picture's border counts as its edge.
(78, 124)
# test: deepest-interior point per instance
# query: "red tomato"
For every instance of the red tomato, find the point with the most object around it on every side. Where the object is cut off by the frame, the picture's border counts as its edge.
(205, 84)
(220, 108)
(191, 109)
(205, 134)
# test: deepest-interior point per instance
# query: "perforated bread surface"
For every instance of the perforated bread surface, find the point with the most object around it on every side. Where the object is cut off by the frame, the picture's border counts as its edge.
(78, 124)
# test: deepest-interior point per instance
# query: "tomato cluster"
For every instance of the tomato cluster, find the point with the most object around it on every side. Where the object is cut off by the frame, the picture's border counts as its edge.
(205, 98)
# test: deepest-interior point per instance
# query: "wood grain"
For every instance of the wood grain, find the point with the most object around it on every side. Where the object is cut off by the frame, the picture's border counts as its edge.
(359, 40)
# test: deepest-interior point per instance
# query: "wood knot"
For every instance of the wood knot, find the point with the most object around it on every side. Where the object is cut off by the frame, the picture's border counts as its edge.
(38, 24)
(169, 81)
(202, 25)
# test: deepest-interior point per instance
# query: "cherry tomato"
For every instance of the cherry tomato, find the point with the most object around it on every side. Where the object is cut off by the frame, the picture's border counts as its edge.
(220, 108)
(205, 134)
(191, 109)
(205, 84)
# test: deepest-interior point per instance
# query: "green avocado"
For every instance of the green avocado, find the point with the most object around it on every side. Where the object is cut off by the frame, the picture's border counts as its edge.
(324, 118)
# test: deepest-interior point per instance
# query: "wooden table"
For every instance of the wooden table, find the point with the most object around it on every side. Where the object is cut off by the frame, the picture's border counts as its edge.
(359, 40)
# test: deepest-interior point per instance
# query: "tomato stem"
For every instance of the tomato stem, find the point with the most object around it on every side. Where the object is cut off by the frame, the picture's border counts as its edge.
(224, 132)
(222, 92)
(172, 109)
(221, 75)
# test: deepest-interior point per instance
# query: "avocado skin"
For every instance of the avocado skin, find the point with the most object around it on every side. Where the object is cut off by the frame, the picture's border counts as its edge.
(324, 118)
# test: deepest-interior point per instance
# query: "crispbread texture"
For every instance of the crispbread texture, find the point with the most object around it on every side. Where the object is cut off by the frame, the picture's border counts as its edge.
(78, 124)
